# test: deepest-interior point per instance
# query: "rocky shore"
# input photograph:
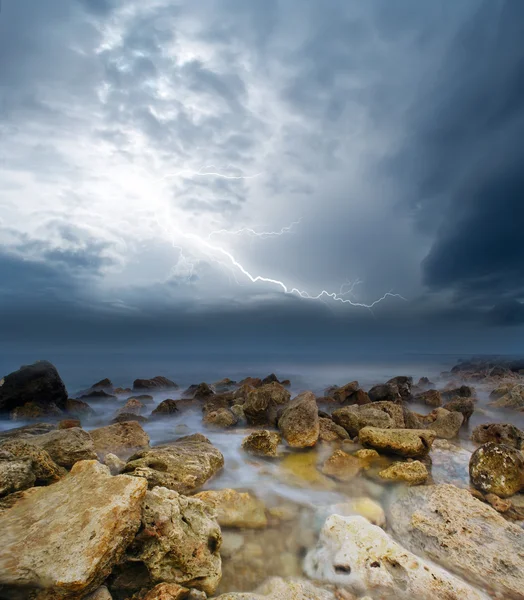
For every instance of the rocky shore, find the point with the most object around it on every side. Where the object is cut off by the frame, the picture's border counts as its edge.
(401, 490)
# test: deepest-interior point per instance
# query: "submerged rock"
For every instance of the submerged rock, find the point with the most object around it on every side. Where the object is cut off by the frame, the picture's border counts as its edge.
(157, 383)
(363, 558)
(500, 433)
(66, 446)
(166, 407)
(261, 404)
(497, 469)
(235, 509)
(222, 418)
(330, 431)
(182, 466)
(63, 540)
(78, 408)
(179, 541)
(299, 422)
(447, 525)
(262, 443)
(200, 391)
(125, 417)
(405, 442)
(33, 411)
(122, 439)
(412, 473)
(341, 466)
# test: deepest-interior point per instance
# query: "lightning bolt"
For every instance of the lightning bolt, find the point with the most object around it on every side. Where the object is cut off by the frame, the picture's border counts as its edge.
(202, 172)
(253, 233)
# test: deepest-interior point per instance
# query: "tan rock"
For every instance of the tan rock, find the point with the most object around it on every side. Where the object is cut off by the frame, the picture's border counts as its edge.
(167, 591)
(261, 403)
(299, 422)
(405, 442)
(235, 509)
(16, 474)
(116, 465)
(277, 588)
(122, 439)
(133, 406)
(63, 540)
(43, 466)
(262, 443)
(366, 454)
(330, 431)
(69, 423)
(412, 473)
(341, 466)
(66, 446)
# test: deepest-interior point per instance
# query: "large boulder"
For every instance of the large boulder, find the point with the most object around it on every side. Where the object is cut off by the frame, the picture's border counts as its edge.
(262, 443)
(38, 383)
(63, 540)
(182, 466)
(446, 424)
(235, 509)
(388, 392)
(364, 559)
(66, 446)
(500, 433)
(449, 526)
(262, 403)
(179, 541)
(155, 384)
(78, 408)
(299, 421)
(405, 442)
(122, 439)
(497, 469)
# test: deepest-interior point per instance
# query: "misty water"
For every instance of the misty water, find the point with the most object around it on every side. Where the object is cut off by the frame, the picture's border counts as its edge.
(299, 497)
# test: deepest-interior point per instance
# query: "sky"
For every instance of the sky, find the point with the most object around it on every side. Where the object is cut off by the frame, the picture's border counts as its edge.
(269, 175)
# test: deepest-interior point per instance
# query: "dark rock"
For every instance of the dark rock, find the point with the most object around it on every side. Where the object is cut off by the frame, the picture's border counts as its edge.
(97, 395)
(125, 417)
(32, 410)
(69, 423)
(26, 431)
(78, 408)
(39, 383)
(404, 385)
(262, 404)
(388, 392)
(166, 407)
(500, 433)
(466, 406)
(103, 384)
(251, 381)
(270, 379)
(224, 385)
(198, 392)
(157, 383)
(424, 382)
(429, 398)
(145, 398)
(464, 391)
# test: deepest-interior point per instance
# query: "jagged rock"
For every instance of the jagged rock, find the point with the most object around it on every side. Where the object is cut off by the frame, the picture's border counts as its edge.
(500, 433)
(503, 389)
(238, 411)
(122, 439)
(343, 394)
(235, 509)
(277, 588)
(412, 473)
(386, 415)
(202, 391)
(222, 417)
(364, 559)
(262, 443)
(514, 398)
(224, 385)
(69, 423)
(16, 474)
(404, 385)
(299, 421)
(133, 406)
(78, 408)
(411, 443)
(466, 406)
(63, 540)
(66, 446)
(429, 398)
(166, 407)
(447, 525)
(388, 392)
(32, 410)
(43, 466)
(330, 431)
(270, 379)
(182, 466)
(464, 391)
(155, 384)
(115, 464)
(103, 384)
(341, 466)
(179, 541)
(497, 469)
(262, 403)
(444, 423)
(251, 382)
(26, 431)
(39, 383)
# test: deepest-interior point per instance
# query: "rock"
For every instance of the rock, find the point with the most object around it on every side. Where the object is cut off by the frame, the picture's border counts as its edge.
(125, 417)
(464, 391)
(366, 454)
(115, 464)
(66, 446)
(447, 525)
(38, 383)
(277, 588)
(224, 385)
(514, 398)
(424, 382)
(179, 542)
(155, 384)
(26, 431)
(500, 433)
(97, 395)
(444, 423)
(497, 469)
(32, 410)
(144, 398)
(102, 593)
(386, 392)
(343, 394)
(262, 443)
(412, 473)
(404, 385)
(182, 466)
(16, 474)
(69, 552)
(466, 406)
(222, 418)
(405, 442)
(500, 505)
(251, 381)
(238, 411)
(379, 414)
(330, 431)
(122, 439)
(235, 509)
(341, 466)
(119, 391)
(133, 406)
(261, 404)
(363, 558)
(166, 407)
(103, 384)
(69, 423)
(363, 506)
(167, 591)
(198, 392)
(429, 398)
(503, 389)
(270, 379)
(299, 421)
(44, 468)
(78, 408)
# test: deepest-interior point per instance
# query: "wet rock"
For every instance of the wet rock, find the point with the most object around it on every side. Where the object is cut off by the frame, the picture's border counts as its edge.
(179, 541)
(69, 423)
(66, 446)
(16, 474)
(277, 588)
(94, 395)
(514, 398)
(121, 439)
(466, 406)
(26, 431)
(429, 398)
(69, 552)
(44, 468)
(220, 418)
(444, 423)
(412, 473)
(262, 443)
(500, 433)
(125, 417)
(235, 509)
(202, 391)
(144, 398)
(32, 410)
(341, 466)
(366, 454)
(299, 422)
(447, 525)
(182, 466)
(78, 408)
(388, 392)
(38, 383)
(404, 385)
(379, 414)
(405, 442)
(497, 469)
(116, 465)
(103, 384)
(262, 403)
(361, 557)
(425, 383)
(502, 389)
(155, 384)
(330, 431)
(166, 407)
